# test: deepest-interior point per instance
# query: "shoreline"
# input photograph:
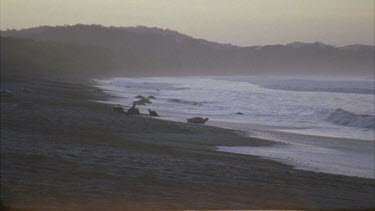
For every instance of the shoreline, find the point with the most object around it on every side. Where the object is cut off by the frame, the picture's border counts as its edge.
(123, 88)
(277, 134)
(65, 151)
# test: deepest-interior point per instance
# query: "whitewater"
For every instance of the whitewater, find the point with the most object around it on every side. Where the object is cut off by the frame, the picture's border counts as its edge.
(320, 125)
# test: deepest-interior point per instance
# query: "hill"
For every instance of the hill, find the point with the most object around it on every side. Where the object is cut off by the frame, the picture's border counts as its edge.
(153, 51)
(27, 57)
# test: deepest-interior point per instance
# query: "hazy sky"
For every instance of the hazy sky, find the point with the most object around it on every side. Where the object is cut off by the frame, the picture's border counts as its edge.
(240, 22)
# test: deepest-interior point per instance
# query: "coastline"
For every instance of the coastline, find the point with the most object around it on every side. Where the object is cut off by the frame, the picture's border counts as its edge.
(80, 154)
(335, 151)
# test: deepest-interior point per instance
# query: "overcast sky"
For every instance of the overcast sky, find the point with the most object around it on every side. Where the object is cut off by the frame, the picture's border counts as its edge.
(240, 22)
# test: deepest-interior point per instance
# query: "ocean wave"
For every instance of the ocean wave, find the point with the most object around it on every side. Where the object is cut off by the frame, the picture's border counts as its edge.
(302, 85)
(346, 118)
(186, 102)
(320, 89)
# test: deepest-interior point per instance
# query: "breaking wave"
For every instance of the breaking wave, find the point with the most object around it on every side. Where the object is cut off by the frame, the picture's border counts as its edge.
(346, 118)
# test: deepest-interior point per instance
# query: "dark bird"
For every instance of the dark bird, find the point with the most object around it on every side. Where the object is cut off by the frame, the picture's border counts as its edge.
(152, 113)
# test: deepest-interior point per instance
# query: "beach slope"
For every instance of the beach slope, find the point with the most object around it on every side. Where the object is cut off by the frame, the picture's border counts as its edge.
(62, 150)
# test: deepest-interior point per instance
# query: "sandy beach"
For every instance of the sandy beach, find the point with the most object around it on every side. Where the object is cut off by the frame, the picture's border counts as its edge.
(60, 150)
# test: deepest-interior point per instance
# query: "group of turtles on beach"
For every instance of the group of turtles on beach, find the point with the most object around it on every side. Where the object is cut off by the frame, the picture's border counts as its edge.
(131, 111)
(135, 111)
(146, 100)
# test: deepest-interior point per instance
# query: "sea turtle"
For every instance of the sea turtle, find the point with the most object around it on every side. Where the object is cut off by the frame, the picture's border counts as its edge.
(197, 120)
(133, 111)
(118, 109)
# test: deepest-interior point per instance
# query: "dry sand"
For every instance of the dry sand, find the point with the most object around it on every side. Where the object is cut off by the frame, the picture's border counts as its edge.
(61, 151)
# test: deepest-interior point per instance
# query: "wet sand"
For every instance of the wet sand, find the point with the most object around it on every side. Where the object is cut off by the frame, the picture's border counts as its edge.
(60, 150)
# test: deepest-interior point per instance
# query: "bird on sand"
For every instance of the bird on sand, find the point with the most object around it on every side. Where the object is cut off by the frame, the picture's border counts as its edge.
(152, 113)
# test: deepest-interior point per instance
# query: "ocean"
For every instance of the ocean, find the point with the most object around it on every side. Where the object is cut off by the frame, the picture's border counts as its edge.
(322, 125)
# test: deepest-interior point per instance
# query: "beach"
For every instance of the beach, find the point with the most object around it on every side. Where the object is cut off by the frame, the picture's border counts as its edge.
(320, 125)
(61, 149)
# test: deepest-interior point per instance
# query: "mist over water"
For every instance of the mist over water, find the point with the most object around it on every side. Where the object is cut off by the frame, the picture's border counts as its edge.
(331, 109)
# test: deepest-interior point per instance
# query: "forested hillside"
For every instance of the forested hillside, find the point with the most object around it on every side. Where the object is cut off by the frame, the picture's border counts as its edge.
(153, 51)
(50, 59)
